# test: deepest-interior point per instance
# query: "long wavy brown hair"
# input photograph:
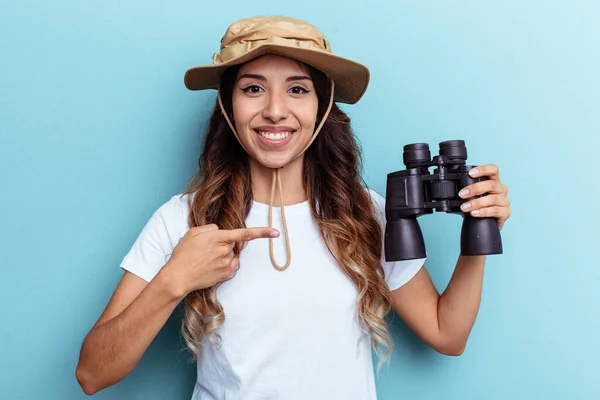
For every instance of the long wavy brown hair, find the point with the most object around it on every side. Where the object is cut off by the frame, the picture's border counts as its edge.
(220, 193)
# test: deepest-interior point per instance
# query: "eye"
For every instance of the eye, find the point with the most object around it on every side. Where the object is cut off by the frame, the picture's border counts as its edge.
(252, 89)
(298, 90)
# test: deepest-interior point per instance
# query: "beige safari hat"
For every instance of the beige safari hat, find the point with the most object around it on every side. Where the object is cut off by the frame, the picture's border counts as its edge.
(251, 37)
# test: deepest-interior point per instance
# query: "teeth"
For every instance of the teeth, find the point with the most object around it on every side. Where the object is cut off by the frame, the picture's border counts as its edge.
(274, 136)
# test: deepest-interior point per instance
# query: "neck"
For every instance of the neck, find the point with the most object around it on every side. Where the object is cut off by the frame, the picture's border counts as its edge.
(291, 180)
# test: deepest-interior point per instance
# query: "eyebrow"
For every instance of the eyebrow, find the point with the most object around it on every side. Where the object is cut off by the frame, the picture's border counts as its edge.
(262, 78)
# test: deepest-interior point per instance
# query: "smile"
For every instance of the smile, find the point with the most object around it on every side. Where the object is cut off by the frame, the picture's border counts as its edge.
(274, 140)
(274, 136)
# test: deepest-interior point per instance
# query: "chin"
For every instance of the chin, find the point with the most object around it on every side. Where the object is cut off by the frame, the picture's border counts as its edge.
(273, 160)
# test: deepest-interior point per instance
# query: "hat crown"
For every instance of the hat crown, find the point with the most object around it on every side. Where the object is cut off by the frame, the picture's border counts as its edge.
(251, 32)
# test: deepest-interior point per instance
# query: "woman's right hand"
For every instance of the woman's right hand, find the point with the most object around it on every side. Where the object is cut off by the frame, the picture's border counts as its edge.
(204, 255)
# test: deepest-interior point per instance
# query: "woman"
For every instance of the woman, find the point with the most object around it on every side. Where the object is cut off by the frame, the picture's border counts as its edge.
(293, 317)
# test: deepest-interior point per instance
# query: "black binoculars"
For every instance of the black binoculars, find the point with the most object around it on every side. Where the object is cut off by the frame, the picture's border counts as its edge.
(415, 191)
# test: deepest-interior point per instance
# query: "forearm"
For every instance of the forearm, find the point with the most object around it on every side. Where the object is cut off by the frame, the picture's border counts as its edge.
(112, 350)
(459, 304)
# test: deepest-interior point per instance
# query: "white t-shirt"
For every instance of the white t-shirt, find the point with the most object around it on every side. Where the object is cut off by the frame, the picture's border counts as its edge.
(287, 335)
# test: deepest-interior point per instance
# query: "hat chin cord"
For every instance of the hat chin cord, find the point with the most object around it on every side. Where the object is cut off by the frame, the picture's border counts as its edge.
(277, 180)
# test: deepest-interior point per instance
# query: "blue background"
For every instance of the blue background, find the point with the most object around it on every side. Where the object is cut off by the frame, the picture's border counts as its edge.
(97, 131)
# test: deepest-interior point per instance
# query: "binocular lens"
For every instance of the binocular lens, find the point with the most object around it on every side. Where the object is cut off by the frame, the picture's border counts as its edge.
(454, 150)
(416, 153)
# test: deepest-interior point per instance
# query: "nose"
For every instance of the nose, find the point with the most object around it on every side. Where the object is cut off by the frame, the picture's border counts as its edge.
(276, 108)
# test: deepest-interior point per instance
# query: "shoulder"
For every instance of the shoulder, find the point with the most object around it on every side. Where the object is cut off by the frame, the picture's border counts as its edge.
(175, 206)
(177, 203)
(173, 214)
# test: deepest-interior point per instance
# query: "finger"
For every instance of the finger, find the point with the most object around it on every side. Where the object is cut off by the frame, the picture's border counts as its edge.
(494, 212)
(489, 170)
(229, 271)
(483, 187)
(247, 234)
(501, 223)
(486, 201)
(203, 229)
(229, 258)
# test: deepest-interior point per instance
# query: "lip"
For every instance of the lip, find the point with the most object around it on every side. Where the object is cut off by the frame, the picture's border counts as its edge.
(275, 129)
(274, 144)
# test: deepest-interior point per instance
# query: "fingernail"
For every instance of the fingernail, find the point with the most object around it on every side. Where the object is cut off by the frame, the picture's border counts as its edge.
(274, 233)
(475, 212)
(473, 172)
(465, 206)
(463, 193)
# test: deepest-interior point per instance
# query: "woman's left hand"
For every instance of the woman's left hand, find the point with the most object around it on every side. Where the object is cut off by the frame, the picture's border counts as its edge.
(496, 204)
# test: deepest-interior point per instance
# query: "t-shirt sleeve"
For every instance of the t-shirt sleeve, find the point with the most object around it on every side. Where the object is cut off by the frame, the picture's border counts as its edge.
(154, 245)
(397, 273)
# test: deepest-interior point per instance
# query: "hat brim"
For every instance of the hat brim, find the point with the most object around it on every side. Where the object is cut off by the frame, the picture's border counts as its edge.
(351, 78)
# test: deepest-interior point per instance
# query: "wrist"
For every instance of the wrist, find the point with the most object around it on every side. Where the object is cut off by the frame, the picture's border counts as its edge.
(168, 278)
(477, 258)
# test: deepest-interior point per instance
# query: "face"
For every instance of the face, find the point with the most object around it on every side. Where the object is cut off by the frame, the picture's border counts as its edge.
(275, 109)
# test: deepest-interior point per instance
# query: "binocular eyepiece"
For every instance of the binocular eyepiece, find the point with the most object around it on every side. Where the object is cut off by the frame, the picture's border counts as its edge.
(415, 191)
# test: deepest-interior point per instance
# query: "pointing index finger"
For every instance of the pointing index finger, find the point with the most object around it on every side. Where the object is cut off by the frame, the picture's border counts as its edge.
(247, 234)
